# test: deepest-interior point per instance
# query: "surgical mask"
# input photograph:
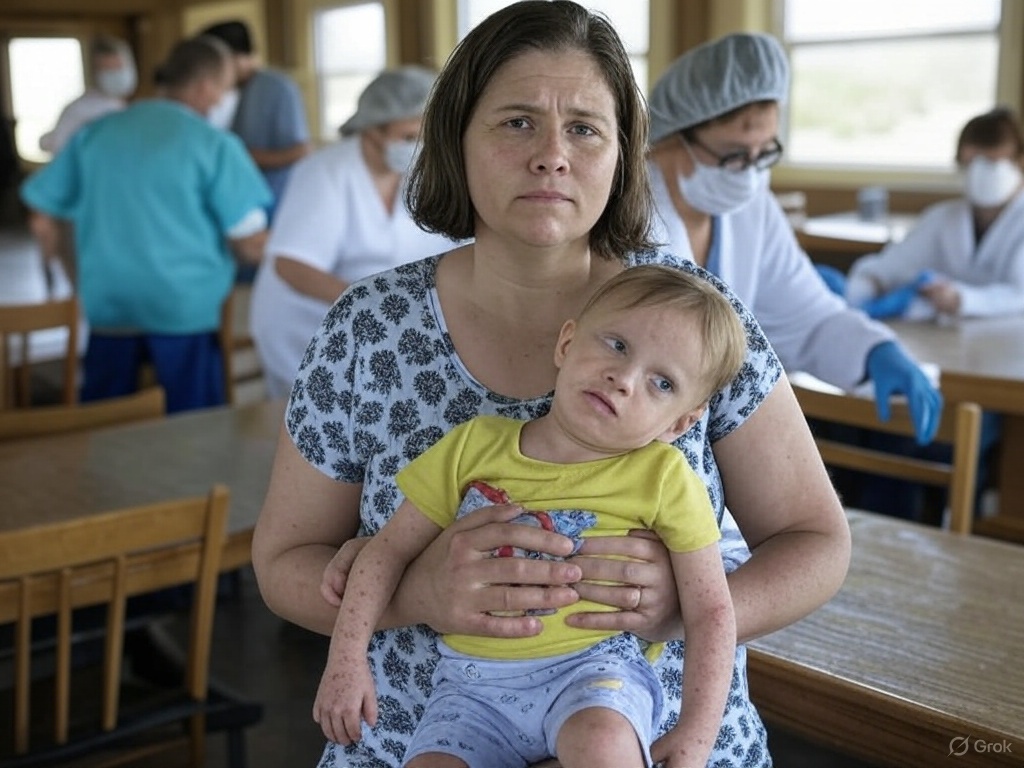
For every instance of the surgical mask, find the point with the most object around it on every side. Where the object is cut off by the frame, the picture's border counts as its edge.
(116, 82)
(716, 191)
(222, 114)
(990, 183)
(399, 155)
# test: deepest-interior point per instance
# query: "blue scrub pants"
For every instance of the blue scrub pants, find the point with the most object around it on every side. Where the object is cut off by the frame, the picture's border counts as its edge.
(190, 368)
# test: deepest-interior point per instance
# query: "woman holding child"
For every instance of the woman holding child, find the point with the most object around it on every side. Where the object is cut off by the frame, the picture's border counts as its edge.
(533, 145)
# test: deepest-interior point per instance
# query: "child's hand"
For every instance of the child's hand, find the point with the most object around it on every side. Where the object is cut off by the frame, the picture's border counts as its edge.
(332, 583)
(678, 749)
(346, 697)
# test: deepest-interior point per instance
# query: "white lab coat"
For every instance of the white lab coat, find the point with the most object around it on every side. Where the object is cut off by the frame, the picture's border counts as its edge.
(332, 218)
(989, 274)
(86, 108)
(811, 329)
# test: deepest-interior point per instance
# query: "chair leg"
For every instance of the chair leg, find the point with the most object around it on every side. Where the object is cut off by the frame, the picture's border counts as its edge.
(236, 748)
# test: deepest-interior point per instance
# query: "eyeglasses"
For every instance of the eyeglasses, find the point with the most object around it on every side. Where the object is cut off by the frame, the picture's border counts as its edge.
(741, 160)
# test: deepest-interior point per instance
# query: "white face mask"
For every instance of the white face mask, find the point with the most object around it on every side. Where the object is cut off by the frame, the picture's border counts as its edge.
(400, 155)
(716, 191)
(990, 183)
(222, 114)
(118, 83)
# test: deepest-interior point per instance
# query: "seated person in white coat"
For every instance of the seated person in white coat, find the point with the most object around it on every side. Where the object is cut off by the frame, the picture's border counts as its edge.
(714, 125)
(964, 257)
(342, 218)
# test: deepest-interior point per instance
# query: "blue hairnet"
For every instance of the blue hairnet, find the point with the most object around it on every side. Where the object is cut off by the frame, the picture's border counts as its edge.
(717, 77)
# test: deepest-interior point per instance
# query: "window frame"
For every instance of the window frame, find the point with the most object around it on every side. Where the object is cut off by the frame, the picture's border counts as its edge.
(37, 158)
(1009, 79)
(390, 56)
(661, 22)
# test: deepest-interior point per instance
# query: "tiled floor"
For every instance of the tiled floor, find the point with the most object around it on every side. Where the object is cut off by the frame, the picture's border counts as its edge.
(280, 665)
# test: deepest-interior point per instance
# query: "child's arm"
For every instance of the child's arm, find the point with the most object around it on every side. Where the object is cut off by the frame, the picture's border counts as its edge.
(710, 652)
(346, 695)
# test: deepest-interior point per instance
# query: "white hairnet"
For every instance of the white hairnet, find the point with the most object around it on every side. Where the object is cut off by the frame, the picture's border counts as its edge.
(717, 77)
(395, 94)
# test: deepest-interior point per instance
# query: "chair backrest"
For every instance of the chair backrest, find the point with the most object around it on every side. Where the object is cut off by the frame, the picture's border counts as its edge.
(21, 423)
(18, 323)
(960, 427)
(242, 366)
(102, 560)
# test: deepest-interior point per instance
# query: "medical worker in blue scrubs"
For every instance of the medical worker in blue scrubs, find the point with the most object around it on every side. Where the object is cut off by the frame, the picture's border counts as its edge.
(163, 205)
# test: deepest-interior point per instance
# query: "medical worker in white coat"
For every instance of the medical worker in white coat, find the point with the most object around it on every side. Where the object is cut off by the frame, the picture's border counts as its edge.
(714, 124)
(970, 250)
(341, 218)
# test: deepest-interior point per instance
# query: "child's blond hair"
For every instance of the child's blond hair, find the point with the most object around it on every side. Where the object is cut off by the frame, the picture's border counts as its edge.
(724, 339)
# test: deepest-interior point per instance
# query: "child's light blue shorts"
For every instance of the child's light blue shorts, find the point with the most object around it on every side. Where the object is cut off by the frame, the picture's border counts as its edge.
(507, 714)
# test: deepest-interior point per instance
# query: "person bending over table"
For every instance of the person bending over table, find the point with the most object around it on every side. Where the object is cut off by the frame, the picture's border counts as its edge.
(964, 257)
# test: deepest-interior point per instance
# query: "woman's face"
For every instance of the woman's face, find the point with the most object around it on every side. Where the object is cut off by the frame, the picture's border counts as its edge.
(541, 150)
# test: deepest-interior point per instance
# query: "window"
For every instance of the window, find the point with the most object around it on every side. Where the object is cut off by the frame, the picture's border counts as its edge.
(887, 85)
(630, 19)
(46, 74)
(350, 50)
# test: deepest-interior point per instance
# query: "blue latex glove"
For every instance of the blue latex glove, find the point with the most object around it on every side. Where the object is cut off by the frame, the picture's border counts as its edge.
(895, 303)
(894, 373)
(834, 279)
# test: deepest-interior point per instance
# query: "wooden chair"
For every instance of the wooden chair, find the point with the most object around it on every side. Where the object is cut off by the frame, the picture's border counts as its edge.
(17, 322)
(235, 346)
(101, 561)
(42, 420)
(960, 426)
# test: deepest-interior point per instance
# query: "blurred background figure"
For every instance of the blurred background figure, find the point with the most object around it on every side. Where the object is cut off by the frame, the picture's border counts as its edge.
(110, 79)
(964, 257)
(269, 115)
(156, 195)
(342, 218)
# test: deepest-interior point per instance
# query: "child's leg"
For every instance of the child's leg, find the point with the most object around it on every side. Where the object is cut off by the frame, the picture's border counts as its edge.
(435, 760)
(598, 737)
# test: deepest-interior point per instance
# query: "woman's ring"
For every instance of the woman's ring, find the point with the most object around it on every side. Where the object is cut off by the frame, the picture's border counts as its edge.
(639, 598)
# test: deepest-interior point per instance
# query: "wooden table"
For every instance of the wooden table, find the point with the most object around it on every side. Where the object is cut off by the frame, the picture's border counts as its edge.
(839, 239)
(918, 655)
(982, 360)
(57, 478)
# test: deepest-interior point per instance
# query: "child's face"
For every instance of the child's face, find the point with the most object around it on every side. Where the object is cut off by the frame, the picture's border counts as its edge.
(627, 377)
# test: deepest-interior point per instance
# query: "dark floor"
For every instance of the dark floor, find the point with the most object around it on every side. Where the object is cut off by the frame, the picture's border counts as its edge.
(280, 665)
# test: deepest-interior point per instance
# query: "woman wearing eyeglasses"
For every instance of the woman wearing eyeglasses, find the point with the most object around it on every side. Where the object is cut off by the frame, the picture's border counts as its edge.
(714, 125)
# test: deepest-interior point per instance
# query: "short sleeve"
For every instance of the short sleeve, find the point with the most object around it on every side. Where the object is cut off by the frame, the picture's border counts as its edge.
(686, 521)
(431, 482)
(311, 217)
(55, 189)
(236, 186)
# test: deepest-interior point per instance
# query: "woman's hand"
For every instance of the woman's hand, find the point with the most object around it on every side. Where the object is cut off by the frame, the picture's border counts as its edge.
(944, 296)
(644, 590)
(332, 584)
(456, 585)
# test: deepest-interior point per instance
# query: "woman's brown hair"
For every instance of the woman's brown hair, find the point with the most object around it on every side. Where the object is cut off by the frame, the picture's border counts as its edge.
(437, 193)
